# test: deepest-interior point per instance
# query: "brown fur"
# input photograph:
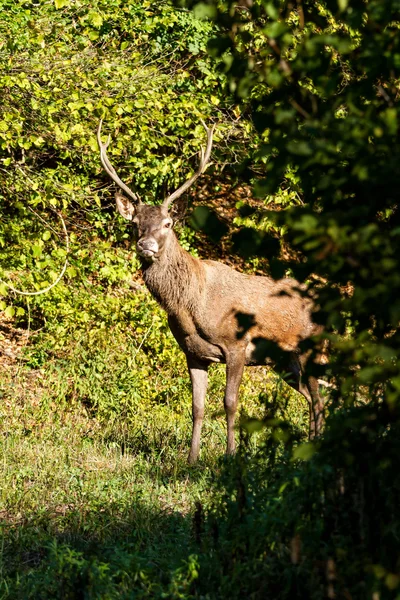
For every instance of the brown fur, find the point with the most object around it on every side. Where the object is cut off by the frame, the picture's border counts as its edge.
(219, 315)
(176, 280)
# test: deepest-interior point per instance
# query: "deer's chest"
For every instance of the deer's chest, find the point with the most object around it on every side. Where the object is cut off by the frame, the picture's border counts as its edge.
(192, 342)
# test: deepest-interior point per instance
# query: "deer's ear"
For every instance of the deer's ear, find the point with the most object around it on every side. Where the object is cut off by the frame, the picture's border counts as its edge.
(125, 207)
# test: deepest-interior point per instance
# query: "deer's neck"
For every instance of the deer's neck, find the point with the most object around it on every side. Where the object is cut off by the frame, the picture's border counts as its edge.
(176, 279)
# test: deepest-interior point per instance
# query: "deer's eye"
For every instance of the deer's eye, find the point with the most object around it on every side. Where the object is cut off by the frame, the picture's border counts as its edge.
(168, 224)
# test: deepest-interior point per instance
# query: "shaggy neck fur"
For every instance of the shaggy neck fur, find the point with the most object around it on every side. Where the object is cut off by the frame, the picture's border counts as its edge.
(176, 279)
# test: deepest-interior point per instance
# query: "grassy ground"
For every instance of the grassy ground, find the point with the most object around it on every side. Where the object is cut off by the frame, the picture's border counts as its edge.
(94, 443)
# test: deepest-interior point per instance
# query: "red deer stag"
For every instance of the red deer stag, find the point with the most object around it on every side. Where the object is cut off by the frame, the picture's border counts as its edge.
(216, 314)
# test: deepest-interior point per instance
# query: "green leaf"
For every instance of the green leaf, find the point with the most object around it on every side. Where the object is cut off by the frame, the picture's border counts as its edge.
(95, 18)
(204, 11)
(71, 271)
(9, 312)
(276, 29)
(36, 251)
(253, 425)
(396, 382)
(304, 451)
(283, 487)
(392, 581)
(271, 10)
(93, 35)
(390, 118)
(61, 3)
(300, 148)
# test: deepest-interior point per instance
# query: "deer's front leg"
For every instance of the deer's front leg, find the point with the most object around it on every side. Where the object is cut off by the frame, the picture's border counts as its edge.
(234, 371)
(199, 377)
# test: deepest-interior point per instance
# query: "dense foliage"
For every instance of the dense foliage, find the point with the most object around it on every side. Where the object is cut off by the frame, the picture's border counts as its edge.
(306, 99)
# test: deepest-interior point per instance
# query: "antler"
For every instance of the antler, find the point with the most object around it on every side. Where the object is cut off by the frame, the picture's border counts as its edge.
(204, 158)
(110, 169)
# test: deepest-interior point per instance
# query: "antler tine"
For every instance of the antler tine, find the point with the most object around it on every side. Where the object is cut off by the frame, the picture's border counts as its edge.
(204, 158)
(110, 169)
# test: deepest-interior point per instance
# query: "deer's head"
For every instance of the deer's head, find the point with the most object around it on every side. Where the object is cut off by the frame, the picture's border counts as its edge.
(152, 224)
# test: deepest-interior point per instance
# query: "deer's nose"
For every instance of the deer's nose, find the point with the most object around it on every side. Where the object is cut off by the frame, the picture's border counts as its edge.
(146, 243)
(147, 246)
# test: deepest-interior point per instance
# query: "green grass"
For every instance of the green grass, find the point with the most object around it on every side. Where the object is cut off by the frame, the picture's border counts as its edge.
(94, 438)
(97, 500)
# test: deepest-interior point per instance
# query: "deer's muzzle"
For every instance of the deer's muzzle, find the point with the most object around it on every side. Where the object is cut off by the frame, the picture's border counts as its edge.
(147, 247)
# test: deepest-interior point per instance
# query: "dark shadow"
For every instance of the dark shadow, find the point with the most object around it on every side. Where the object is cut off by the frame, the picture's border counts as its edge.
(90, 552)
(267, 352)
(139, 443)
(245, 323)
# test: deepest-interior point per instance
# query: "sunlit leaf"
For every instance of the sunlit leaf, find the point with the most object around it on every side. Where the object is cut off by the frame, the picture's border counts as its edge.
(9, 311)
(304, 451)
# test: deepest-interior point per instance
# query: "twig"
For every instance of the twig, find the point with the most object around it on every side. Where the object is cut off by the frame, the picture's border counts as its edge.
(43, 220)
(299, 108)
(385, 95)
(300, 13)
(146, 335)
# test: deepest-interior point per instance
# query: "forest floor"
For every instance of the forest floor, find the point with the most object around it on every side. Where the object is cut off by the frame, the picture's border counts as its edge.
(71, 482)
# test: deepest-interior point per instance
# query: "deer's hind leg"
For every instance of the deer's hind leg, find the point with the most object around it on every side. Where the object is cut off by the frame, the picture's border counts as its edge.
(316, 406)
(199, 377)
(308, 386)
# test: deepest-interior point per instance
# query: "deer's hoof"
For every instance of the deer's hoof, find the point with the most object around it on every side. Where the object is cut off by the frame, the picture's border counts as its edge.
(192, 458)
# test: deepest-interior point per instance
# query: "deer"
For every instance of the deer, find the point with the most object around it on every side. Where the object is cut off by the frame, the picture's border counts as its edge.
(216, 313)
